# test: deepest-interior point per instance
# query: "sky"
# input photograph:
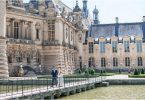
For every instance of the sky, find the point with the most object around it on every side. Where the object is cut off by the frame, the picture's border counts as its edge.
(125, 10)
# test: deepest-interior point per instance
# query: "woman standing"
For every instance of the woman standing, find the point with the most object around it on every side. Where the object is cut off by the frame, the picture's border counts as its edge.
(60, 79)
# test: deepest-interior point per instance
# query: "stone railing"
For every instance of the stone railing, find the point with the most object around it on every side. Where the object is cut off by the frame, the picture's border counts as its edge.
(12, 40)
(51, 43)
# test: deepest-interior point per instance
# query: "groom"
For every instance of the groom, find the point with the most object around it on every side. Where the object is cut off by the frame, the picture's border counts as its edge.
(54, 74)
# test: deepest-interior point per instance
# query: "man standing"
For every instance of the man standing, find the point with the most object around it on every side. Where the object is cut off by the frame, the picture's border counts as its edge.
(54, 74)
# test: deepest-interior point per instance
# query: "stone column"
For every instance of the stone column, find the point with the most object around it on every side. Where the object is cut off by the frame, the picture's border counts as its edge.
(3, 46)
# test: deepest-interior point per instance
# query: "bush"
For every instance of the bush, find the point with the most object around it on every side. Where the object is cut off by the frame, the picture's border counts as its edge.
(92, 71)
(142, 71)
(86, 72)
(136, 72)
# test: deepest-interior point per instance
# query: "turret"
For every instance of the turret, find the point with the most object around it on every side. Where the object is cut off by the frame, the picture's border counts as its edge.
(77, 8)
(95, 16)
(85, 9)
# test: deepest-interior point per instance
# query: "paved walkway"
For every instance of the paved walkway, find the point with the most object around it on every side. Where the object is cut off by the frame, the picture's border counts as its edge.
(124, 77)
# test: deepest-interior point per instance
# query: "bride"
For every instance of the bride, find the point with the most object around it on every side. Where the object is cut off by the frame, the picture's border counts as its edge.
(60, 79)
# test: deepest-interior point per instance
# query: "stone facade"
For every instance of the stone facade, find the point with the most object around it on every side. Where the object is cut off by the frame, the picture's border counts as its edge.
(46, 33)
(49, 33)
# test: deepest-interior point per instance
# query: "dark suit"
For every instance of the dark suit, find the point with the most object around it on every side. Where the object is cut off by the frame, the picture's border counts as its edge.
(54, 74)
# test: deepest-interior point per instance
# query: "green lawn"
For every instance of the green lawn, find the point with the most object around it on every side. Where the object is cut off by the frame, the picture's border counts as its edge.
(137, 76)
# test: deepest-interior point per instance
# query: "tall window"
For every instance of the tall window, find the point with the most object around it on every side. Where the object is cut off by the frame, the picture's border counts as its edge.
(91, 62)
(28, 58)
(51, 30)
(66, 33)
(127, 61)
(102, 47)
(91, 47)
(71, 36)
(126, 46)
(37, 33)
(139, 46)
(140, 63)
(103, 62)
(19, 57)
(115, 62)
(16, 30)
(38, 58)
(10, 59)
(114, 46)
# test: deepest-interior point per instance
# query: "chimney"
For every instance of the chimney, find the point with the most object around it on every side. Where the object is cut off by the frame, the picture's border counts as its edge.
(143, 18)
(117, 19)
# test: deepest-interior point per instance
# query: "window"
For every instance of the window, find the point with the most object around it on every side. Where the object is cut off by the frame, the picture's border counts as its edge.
(115, 62)
(71, 36)
(16, 30)
(66, 33)
(38, 58)
(140, 61)
(9, 59)
(28, 59)
(51, 30)
(114, 46)
(37, 33)
(126, 46)
(127, 61)
(91, 62)
(103, 62)
(102, 47)
(139, 46)
(19, 57)
(91, 47)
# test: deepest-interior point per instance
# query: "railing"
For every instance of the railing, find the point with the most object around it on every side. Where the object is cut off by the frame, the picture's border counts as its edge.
(51, 43)
(28, 86)
(12, 40)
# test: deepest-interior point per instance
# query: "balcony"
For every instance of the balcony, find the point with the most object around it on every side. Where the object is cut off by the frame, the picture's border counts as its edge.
(51, 43)
(12, 40)
(69, 46)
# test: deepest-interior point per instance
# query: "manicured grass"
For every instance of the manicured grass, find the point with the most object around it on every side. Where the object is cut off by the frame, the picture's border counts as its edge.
(137, 76)
(107, 74)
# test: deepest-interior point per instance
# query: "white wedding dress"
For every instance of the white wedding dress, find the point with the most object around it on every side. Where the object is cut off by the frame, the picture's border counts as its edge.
(60, 81)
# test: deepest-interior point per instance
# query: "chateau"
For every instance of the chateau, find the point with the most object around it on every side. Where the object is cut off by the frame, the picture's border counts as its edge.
(45, 33)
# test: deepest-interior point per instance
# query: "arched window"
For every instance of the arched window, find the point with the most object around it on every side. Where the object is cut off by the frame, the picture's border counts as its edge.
(115, 62)
(140, 63)
(91, 62)
(127, 61)
(103, 62)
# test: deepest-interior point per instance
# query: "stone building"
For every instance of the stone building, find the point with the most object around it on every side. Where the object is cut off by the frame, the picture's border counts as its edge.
(45, 33)
(115, 46)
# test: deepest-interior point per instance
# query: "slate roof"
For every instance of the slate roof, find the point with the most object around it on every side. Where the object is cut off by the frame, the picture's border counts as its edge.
(119, 29)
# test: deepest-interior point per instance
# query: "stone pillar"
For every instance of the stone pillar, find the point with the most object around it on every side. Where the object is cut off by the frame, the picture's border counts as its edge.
(3, 46)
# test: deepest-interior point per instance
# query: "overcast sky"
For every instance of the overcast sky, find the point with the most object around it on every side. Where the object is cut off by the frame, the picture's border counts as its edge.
(126, 10)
